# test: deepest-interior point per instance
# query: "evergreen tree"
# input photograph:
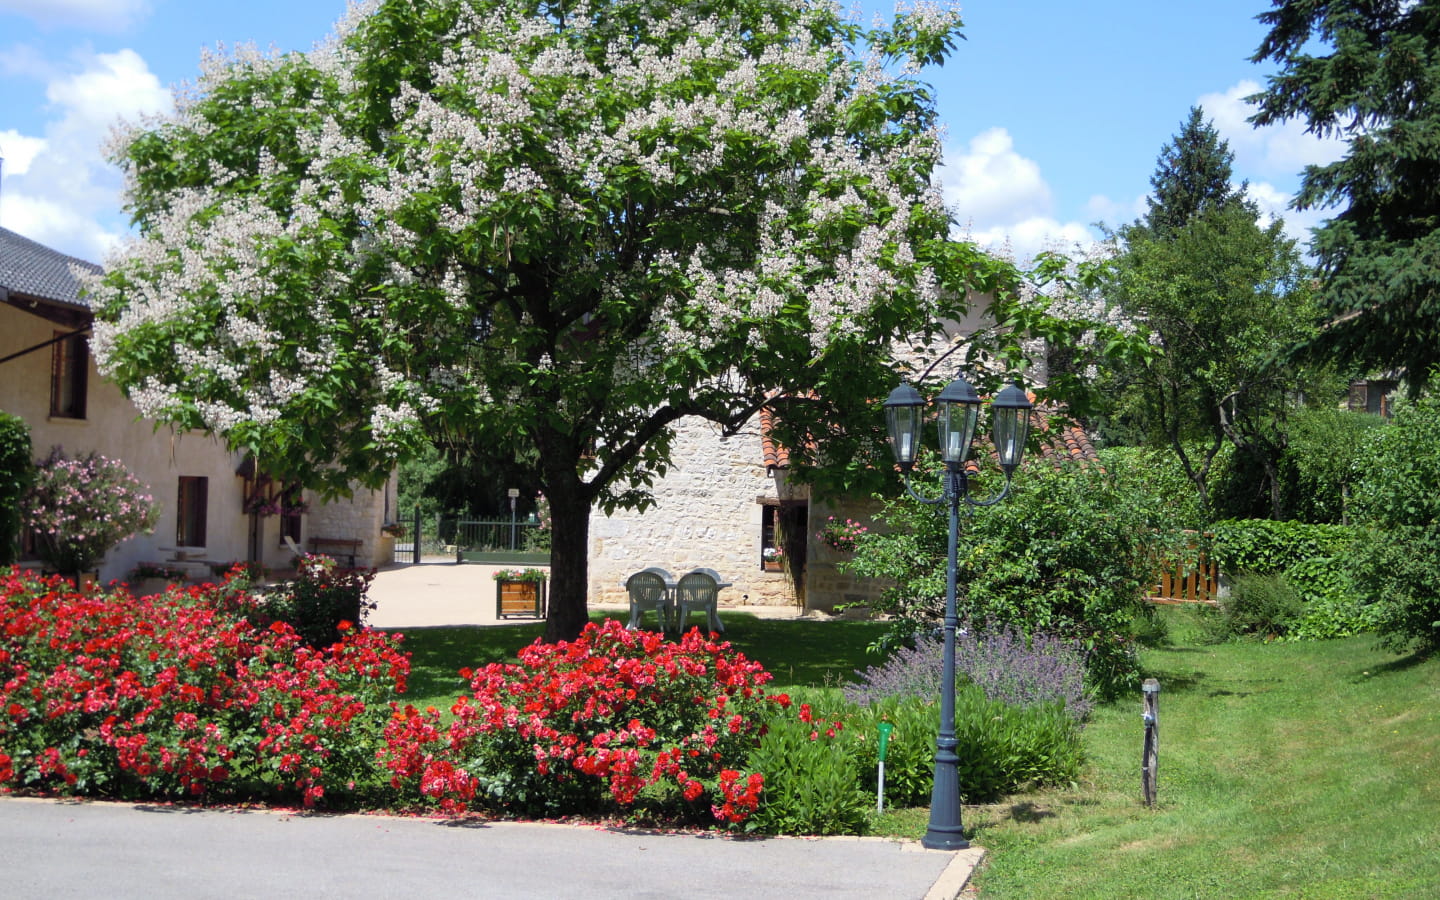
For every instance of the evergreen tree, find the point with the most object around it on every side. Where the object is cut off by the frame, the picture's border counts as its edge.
(1191, 176)
(1368, 71)
(1220, 293)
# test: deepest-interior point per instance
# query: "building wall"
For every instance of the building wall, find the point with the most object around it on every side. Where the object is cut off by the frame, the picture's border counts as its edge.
(708, 511)
(707, 514)
(360, 515)
(159, 458)
(113, 428)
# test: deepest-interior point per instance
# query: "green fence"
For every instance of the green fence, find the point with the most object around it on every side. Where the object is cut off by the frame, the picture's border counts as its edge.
(495, 542)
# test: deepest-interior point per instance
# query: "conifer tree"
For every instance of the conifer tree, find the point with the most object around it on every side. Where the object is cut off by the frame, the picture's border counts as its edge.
(1367, 72)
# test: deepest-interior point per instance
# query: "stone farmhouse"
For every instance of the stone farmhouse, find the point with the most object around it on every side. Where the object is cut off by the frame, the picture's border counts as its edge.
(728, 505)
(215, 507)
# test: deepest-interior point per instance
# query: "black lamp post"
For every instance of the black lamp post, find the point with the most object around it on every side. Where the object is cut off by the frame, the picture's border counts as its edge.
(959, 411)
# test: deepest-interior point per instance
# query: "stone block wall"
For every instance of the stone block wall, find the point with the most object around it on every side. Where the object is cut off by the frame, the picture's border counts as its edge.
(358, 516)
(707, 514)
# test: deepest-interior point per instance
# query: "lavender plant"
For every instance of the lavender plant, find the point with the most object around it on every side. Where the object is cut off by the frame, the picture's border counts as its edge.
(1006, 665)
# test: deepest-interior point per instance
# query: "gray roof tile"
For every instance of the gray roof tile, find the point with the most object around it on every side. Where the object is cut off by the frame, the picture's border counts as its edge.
(37, 271)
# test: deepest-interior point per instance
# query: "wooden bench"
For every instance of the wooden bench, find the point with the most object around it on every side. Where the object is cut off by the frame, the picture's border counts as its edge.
(338, 548)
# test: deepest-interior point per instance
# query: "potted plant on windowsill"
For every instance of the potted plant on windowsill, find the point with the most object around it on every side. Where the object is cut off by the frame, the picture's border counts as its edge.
(520, 592)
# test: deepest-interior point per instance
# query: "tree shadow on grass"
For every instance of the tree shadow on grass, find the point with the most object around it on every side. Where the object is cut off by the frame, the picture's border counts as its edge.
(1404, 663)
(801, 653)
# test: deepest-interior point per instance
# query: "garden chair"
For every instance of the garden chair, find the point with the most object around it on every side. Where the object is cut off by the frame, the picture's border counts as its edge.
(650, 589)
(698, 590)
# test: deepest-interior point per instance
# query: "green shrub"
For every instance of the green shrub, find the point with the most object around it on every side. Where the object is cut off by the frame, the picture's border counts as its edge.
(1066, 553)
(1153, 477)
(1319, 465)
(1264, 606)
(811, 784)
(910, 757)
(1395, 567)
(322, 603)
(1330, 608)
(1267, 546)
(1002, 748)
(16, 474)
(1396, 573)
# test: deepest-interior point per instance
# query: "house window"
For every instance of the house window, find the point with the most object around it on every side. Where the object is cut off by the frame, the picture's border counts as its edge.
(771, 552)
(69, 367)
(191, 507)
(292, 510)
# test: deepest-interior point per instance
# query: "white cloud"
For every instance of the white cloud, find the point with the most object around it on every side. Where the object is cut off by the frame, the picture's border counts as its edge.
(57, 225)
(1002, 200)
(67, 194)
(97, 15)
(116, 85)
(18, 150)
(1275, 151)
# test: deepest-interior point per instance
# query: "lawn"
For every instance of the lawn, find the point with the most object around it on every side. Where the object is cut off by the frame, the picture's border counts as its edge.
(800, 654)
(1286, 770)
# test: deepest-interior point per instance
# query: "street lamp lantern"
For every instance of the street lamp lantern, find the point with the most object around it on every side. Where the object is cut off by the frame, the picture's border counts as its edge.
(1011, 409)
(902, 418)
(959, 413)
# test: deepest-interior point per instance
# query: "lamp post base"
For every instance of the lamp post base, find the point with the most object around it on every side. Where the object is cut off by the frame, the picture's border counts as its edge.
(944, 840)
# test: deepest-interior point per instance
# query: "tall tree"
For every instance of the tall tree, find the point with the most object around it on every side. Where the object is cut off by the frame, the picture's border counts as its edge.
(1221, 292)
(557, 227)
(1368, 71)
(1192, 176)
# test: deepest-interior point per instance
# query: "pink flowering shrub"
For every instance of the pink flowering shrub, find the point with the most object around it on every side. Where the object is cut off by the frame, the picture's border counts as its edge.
(178, 695)
(614, 720)
(79, 508)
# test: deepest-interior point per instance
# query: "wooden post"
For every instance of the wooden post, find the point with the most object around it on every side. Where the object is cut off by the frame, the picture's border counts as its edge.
(1150, 761)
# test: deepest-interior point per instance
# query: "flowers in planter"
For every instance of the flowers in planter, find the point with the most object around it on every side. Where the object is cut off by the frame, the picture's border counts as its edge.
(146, 570)
(520, 575)
(261, 505)
(80, 508)
(841, 535)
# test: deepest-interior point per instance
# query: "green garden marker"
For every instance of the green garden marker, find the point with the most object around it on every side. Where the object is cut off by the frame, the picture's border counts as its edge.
(885, 729)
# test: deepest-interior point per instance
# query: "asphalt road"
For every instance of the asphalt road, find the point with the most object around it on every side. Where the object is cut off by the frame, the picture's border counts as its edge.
(57, 849)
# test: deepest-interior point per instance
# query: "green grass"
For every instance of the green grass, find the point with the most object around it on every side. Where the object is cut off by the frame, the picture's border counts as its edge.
(800, 654)
(1290, 770)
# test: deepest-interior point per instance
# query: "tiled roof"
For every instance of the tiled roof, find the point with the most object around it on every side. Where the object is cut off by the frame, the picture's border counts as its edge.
(1065, 443)
(776, 456)
(35, 270)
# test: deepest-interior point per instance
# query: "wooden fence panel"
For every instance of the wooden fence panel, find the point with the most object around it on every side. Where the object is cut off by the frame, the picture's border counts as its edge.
(1187, 582)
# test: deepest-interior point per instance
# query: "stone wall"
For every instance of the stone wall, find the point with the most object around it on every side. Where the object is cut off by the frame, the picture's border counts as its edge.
(359, 516)
(707, 514)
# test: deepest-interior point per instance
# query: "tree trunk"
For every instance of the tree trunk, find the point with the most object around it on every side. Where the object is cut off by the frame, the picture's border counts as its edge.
(569, 562)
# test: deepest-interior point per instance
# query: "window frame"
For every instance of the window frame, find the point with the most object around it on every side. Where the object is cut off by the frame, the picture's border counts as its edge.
(192, 511)
(69, 375)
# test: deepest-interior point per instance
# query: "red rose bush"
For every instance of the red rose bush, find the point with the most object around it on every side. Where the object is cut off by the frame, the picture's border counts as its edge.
(615, 720)
(179, 695)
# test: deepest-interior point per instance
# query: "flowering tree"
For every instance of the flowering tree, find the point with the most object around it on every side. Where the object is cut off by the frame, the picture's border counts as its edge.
(79, 508)
(555, 227)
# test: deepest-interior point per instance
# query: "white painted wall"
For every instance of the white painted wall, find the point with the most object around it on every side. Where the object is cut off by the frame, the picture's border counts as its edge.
(159, 458)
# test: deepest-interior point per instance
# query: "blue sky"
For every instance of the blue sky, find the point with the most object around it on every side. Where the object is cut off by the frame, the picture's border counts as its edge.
(1055, 110)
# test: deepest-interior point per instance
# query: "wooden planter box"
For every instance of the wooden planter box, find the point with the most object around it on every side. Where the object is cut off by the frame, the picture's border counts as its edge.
(520, 598)
(147, 587)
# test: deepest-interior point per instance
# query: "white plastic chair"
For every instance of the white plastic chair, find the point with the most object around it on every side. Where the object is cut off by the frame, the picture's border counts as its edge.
(698, 590)
(649, 589)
